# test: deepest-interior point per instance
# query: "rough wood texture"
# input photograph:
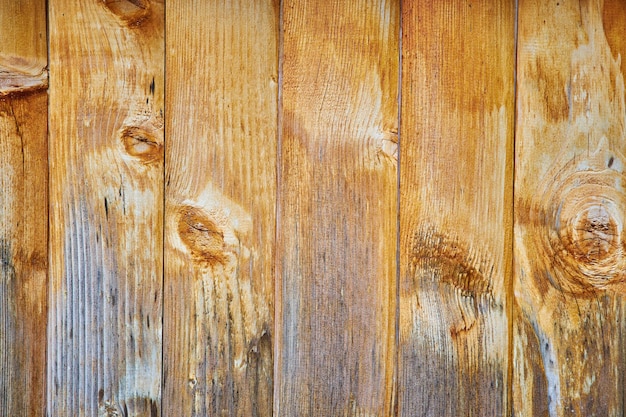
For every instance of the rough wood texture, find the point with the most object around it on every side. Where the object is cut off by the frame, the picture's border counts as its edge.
(336, 252)
(106, 207)
(222, 104)
(569, 210)
(23, 207)
(455, 197)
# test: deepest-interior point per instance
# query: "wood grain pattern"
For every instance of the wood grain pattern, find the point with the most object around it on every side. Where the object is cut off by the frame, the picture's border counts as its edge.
(222, 104)
(569, 210)
(455, 197)
(23, 207)
(280, 253)
(106, 207)
(336, 249)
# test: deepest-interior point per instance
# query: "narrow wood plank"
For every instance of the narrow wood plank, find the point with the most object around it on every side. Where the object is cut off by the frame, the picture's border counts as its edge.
(106, 207)
(222, 104)
(336, 252)
(455, 217)
(23, 207)
(569, 210)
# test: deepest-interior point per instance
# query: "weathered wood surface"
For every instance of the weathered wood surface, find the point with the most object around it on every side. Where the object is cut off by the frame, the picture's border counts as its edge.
(222, 104)
(23, 207)
(336, 249)
(569, 210)
(257, 248)
(455, 196)
(106, 207)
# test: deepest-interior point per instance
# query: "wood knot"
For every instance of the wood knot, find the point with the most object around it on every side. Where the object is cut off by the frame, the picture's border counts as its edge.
(592, 234)
(202, 236)
(131, 12)
(141, 144)
(20, 81)
(449, 261)
(578, 228)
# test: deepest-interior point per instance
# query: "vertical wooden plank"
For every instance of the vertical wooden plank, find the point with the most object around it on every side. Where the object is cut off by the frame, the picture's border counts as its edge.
(222, 104)
(336, 249)
(23, 207)
(455, 217)
(569, 210)
(106, 207)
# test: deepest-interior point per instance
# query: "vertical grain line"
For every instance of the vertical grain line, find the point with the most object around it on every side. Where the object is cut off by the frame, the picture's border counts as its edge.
(163, 208)
(278, 284)
(510, 229)
(48, 244)
(398, 205)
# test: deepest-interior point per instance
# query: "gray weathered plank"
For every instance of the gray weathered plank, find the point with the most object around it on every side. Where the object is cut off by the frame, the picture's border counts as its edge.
(106, 207)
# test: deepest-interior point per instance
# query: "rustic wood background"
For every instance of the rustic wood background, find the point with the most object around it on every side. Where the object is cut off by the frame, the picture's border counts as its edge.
(312, 208)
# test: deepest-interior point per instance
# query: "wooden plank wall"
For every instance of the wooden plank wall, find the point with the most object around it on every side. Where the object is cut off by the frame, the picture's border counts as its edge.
(312, 208)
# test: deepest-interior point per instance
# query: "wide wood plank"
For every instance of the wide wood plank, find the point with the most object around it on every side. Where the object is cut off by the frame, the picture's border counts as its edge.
(455, 198)
(23, 207)
(106, 207)
(336, 252)
(221, 127)
(569, 210)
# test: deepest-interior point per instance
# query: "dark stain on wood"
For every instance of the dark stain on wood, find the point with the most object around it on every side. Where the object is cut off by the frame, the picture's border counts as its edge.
(130, 407)
(6, 260)
(7, 332)
(260, 362)
(533, 366)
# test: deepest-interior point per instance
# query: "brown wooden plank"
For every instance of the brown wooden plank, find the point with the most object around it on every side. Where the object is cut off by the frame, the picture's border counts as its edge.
(569, 210)
(455, 197)
(336, 253)
(106, 207)
(23, 207)
(222, 104)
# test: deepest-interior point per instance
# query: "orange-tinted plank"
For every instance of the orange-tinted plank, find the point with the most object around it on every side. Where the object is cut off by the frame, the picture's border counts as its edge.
(23, 207)
(455, 207)
(222, 104)
(336, 249)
